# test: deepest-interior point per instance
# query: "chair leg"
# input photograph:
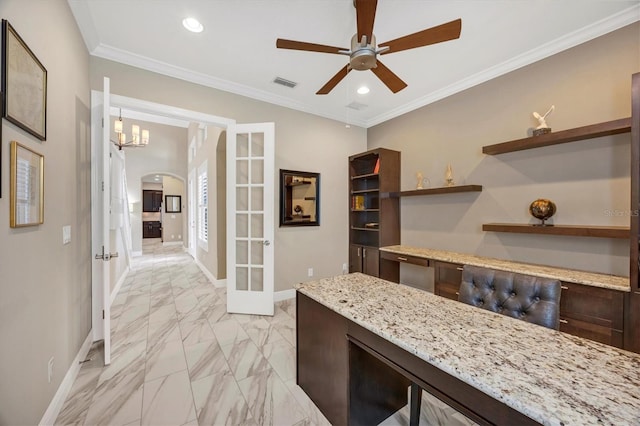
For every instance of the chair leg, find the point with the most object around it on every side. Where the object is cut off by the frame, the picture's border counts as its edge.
(414, 407)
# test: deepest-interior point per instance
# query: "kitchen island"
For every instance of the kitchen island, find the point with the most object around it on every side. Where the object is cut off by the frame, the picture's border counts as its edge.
(361, 340)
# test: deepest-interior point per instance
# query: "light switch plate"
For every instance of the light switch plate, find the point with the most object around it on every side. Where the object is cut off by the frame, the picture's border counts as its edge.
(66, 234)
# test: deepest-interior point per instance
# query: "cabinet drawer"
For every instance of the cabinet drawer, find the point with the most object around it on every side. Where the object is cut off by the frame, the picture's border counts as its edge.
(450, 291)
(448, 277)
(591, 331)
(598, 306)
(404, 259)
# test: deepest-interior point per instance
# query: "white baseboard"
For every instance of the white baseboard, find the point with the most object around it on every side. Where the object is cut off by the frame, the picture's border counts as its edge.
(136, 253)
(220, 283)
(116, 289)
(171, 243)
(279, 296)
(50, 416)
(206, 272)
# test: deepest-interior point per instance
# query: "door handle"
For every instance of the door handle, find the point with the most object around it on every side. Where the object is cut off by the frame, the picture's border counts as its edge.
(266, 242)
(106, 256)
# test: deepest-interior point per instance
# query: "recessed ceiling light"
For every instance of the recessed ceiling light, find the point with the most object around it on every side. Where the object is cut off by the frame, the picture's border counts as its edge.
(193, 25)
(363, 90)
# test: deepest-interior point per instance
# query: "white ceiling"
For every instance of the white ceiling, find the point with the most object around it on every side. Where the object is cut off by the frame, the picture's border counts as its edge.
(237, 51)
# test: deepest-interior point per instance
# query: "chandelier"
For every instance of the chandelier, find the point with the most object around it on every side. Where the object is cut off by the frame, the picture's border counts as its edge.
(138, 140)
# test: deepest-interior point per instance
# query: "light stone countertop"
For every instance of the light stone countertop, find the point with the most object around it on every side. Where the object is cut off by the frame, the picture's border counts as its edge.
(552, 377)
(613, 282)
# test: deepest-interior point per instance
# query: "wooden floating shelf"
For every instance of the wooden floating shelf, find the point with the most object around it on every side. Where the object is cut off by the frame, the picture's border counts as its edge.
(364, 191)
(567, 230)
(436, 191)
(365, 210)
(607, 128)
(365, 229)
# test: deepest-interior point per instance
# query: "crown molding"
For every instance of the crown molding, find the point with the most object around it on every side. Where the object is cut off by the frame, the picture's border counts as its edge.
(582, 35)
(143, 62)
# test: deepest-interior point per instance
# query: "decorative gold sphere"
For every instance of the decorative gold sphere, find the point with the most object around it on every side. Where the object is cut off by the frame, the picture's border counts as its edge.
(542, 209)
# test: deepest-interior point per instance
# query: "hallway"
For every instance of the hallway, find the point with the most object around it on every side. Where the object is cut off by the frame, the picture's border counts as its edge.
(178, 358)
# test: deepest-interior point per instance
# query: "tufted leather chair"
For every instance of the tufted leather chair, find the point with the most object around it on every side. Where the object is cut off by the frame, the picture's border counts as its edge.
(532, 299)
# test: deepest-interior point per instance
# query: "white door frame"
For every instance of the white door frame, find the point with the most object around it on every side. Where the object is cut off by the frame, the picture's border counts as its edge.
(191, 214)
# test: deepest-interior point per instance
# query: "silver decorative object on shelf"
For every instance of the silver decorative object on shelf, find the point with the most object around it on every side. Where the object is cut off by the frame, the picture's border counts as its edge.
(419, 180)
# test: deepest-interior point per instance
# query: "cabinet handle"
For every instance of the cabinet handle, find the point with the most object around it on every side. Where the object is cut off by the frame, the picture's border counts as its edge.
(364, 252)
(564, 287)
(563, 321)
(459, 268)
(358, 251)
(457, 293)
(402, 259)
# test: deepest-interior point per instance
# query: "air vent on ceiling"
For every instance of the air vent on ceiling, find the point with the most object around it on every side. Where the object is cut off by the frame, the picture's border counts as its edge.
(284, 82)
(357, 106)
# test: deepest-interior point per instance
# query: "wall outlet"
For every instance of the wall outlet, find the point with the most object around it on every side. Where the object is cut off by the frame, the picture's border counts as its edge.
(345, 270)
(310, 272)
(50, 370)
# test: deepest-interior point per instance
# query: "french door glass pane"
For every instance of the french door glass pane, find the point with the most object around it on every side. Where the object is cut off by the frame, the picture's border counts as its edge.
(242, 172)
(242, 278)
(257, 197)
(242, 252)
(242, 199)
(257, 283)
(257, 144)
(242, 225)
(242, 145)
(257, 225)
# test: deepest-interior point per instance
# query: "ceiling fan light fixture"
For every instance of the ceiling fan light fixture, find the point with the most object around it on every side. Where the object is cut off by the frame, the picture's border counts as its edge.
(193, 25)
(363, 90)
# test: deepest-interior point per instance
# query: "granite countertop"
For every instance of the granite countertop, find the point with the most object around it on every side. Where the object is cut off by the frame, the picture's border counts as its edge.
(552, 377)
(613, 282)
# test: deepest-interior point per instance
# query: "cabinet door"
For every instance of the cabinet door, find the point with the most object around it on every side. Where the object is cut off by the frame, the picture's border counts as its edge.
(593, 313)
(355, 258)
(370, 261)
(448, 277)
(147, 201)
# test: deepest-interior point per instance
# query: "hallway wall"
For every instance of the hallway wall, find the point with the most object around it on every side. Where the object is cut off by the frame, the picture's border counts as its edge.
(45, 286)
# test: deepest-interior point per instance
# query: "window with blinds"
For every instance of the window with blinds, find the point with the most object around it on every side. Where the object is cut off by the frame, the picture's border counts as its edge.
(203, 206)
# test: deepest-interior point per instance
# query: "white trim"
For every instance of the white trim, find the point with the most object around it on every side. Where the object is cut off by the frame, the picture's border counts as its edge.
(205, 271)
(136, 253)
(220, 283)
(51, 415)
(582, 35)
(279, 296)
(171, 243)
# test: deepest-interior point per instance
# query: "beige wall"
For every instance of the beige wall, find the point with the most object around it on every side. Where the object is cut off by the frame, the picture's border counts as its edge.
(172, 223)
(588, 84)
(303, 142)
(45, 314)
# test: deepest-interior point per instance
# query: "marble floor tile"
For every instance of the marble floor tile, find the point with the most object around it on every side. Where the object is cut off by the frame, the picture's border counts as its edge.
(287, 330)
(217, 313)
(168, 401)
(229, 332)
(165, 358)
(245, 359)
(314, 415)
(269, 399)
(165, 331)
(205, 359)
(196, 331)
(282, 358)
(261, 332)
(219, 401)
(163, 313)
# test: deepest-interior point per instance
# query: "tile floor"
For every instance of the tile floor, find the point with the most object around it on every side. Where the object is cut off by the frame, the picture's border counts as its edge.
(178, 358)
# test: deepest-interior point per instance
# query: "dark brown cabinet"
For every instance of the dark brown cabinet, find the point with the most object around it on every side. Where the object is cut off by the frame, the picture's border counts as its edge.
(593, 313)
(151, 200)
(151, 229)
(374, 218)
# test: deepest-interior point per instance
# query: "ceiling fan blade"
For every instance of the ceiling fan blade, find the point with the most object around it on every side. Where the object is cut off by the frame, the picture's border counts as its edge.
(366, 15)
(445, 32)
(309, 47)
(334, 81)
(387, 76)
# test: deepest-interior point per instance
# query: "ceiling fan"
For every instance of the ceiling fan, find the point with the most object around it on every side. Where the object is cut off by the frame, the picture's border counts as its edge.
(364, 52)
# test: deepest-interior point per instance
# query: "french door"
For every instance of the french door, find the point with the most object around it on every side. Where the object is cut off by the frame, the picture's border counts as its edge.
(250, 218)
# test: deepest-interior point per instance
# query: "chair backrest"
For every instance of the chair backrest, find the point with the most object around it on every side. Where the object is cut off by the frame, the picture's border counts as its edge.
(532, 299)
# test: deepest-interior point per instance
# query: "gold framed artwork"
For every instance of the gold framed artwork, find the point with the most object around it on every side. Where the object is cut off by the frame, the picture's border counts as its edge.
(27, 187)
(24, 84)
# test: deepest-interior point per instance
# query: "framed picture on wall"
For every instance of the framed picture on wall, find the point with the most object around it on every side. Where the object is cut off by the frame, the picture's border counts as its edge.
(24, 84)
(27, 187)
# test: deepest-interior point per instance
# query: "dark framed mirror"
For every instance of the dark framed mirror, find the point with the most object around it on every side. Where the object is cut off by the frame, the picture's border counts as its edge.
(299, 198)
(172, 203)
